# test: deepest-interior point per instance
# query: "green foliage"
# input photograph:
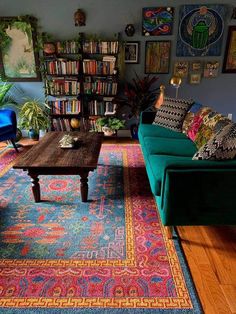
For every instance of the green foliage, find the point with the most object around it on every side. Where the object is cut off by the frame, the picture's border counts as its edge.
(110, 122)
(34, 115)
(140, 94)
(5, 98)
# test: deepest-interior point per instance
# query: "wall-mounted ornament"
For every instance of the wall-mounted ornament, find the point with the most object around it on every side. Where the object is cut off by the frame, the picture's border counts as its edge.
(129, 30)
(79, 18)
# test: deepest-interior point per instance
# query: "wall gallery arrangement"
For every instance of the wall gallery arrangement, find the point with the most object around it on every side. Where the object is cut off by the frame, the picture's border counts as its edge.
(200, 34)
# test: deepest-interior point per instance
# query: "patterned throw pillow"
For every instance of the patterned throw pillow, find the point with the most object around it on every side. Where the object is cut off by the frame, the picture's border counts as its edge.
(172, 113)
(188, 120)
(197, 122)
(220, 147)
(212, 123)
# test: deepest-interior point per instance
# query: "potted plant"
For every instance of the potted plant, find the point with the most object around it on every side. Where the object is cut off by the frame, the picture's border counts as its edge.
(34, 116)
(109, 125)
(139, 94)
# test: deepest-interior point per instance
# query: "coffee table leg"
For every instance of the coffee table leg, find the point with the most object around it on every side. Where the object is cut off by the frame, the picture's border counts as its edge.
(35, 187)
(84, 186)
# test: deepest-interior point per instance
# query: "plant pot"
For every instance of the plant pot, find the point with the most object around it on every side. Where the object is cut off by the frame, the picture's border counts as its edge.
(33, 135)
(107, 131)
(134, 131)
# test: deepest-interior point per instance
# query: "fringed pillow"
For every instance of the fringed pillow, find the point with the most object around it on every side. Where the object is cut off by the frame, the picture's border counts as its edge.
(172, 112)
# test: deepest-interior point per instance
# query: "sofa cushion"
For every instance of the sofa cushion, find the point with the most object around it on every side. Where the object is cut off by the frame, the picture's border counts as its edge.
(189, 117)
(197, 122)
(172, 113)
(159, 131)
(222, 146)
(170, 146)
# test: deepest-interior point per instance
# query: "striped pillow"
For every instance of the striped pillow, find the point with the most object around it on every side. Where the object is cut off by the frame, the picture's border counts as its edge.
(172, 112)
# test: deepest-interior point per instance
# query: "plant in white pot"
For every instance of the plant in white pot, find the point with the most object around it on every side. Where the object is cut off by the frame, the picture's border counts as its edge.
(109, 125)
(34, 116)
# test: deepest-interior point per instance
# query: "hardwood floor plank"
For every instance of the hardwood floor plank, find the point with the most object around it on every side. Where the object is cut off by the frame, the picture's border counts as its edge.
(229, 292)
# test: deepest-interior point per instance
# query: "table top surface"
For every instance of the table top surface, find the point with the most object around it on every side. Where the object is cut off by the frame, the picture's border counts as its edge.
(48, 154)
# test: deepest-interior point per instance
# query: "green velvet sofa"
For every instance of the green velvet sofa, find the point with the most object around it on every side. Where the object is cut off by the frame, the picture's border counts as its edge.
(187, 192)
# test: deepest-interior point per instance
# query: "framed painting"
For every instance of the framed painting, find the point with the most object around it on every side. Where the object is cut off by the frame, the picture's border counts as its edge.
(157, 21)
(19, 61)
(157, 57)
(132, 52)
(201, 30)
(229, 65)
(195, 78)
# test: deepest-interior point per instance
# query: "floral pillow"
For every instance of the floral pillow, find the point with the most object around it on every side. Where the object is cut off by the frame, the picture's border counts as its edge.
(188, 120)
(197, 122)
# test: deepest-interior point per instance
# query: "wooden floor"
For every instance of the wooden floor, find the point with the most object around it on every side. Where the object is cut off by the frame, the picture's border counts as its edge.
(211, 256)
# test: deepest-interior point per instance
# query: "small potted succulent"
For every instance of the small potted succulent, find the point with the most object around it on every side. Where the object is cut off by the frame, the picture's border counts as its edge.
(109, 125)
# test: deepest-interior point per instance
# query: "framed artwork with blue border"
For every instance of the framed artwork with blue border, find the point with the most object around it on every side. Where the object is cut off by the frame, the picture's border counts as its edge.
(157, 21)
(200, 30)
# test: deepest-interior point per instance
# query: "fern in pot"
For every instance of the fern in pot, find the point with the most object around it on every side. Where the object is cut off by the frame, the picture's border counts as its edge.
(34, 116)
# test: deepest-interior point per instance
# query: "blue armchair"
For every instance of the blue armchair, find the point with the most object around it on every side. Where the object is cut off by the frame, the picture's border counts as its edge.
(8, 126)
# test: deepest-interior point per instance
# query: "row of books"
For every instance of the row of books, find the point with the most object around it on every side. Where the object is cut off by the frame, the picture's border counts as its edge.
(101, 108)
(101, 87)
(100, 47)
(63, 86)
(65, 106)
(94, 67)
(62, 67)
(61, 124)
(67, 47)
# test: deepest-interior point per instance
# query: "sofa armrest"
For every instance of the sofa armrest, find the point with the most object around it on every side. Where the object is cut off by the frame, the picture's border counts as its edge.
(147, 117)
(198, 196)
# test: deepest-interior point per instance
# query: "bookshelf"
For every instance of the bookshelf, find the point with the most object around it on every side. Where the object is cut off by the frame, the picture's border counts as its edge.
(62, 82)
(100, 83)
(81, 81)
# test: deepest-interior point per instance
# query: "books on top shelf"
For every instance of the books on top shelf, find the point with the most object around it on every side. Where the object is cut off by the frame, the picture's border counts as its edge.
(67, 46)
(100, 47)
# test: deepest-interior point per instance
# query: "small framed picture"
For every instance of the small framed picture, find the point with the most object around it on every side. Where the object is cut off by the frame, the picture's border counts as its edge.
(196, 66)
(195, 78)
(181, 68)
(211, 69)
(132, 52)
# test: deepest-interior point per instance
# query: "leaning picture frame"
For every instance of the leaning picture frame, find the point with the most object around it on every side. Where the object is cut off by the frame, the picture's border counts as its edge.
(18, 59)
(131, 52)
(157, 57)
(229, 64)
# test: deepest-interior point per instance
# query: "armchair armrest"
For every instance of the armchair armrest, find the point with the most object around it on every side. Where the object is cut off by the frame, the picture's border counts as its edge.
(8, 116)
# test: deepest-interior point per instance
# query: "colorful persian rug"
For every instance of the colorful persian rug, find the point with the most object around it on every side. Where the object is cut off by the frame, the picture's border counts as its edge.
(109, 255)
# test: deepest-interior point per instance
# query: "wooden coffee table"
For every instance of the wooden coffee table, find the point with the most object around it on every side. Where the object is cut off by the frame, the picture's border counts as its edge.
(47, 158)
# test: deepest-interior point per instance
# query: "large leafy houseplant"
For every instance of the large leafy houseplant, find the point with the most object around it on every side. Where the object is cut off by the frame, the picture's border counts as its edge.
(34, 116)
(140, 93)
(6, 99)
